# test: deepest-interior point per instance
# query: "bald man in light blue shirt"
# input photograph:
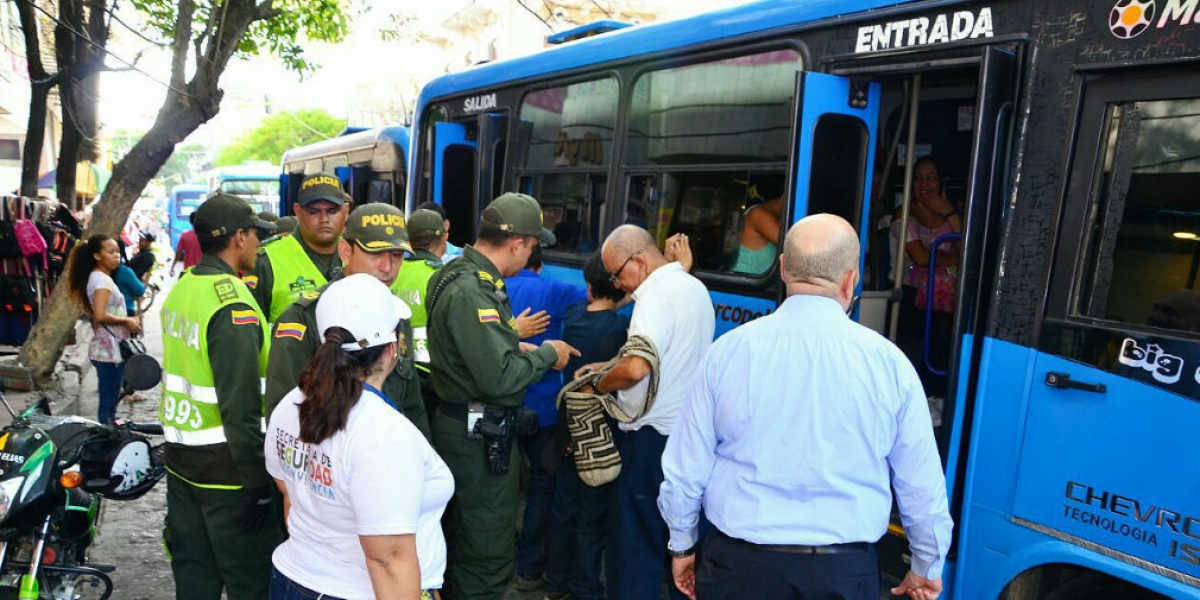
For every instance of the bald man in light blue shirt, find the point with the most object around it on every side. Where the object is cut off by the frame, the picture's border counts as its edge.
(797, 429)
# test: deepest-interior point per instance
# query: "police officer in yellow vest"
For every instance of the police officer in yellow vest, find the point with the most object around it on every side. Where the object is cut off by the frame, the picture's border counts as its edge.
(428, 236)
(220, 528)
(308, 259)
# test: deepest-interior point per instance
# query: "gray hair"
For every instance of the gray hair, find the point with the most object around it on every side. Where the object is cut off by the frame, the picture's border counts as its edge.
(820, 247)
(627, 239)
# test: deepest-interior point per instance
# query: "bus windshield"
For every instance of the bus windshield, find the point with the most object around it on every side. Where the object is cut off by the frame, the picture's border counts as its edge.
(261, 194)
(186, 203)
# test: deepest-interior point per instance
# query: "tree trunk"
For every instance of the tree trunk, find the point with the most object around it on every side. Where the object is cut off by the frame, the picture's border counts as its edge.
(35, 130)
(46, 342)
(183, 111)
(70, 20)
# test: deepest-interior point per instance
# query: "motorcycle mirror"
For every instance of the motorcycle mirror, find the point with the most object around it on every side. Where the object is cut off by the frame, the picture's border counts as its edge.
(142, 372)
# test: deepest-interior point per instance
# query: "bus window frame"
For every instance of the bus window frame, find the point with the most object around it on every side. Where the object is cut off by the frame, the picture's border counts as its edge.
(766, 284)
(1072, 249)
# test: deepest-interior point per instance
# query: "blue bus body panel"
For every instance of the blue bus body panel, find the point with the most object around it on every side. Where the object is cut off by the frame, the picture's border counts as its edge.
(1069, 476)
(642, 40)
(445, 135)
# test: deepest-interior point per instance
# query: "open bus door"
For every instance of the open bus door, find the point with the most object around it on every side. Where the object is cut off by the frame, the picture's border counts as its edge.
(837, 129)
(454, 177)
(493, 142)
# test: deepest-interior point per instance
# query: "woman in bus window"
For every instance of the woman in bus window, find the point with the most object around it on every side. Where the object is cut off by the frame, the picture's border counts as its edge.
(760, 233)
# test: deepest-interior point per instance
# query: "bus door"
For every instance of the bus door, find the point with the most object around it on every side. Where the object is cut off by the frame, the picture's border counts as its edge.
(454, 177)
(1107, 458)
(493, 142)
(836, 131)
(957, 119)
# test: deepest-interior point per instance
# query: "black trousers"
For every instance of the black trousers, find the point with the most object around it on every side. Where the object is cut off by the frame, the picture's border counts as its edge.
(728, 568)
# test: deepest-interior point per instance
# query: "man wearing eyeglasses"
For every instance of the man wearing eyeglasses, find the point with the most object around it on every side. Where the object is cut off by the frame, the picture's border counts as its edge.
(672, 308)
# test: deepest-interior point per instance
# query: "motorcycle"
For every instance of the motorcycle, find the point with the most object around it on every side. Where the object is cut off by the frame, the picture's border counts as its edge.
(54, 473)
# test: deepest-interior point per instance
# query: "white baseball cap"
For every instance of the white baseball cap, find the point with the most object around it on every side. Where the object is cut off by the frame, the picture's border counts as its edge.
(364, 306)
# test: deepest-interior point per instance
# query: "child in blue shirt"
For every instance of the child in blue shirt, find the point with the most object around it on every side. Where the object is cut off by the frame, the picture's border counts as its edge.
(581, 511)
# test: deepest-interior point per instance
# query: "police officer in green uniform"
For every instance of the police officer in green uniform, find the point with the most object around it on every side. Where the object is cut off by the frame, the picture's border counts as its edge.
(428, 236)
(292, 265)
(374, 243)
(220, 528)
(480, 373)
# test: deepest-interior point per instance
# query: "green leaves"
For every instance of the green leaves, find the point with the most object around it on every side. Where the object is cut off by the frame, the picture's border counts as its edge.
(294, 23)
(278, 133)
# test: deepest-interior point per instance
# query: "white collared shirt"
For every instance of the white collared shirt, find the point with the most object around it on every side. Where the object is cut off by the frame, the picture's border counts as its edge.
(674, 310)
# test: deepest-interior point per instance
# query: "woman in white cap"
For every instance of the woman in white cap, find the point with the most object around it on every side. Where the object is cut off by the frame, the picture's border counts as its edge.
(363, 491)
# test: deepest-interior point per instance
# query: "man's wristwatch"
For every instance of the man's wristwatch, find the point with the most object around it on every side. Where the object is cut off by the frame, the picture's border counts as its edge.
(680, 553)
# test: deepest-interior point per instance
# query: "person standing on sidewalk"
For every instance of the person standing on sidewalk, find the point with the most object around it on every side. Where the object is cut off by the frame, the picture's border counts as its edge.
(480, 374)
(93, 289)
(428, 237)
(791, 439)
(580, 515)
(220, 528)
(295, 264)
(374, 243)
(529, 291)
(672, 311)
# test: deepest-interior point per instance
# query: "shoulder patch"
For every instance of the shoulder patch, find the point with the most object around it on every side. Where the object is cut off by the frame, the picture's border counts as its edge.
(485, 276)
(225, 289)
(251, 281)
(244, 317)
(291, 330)
(489, 315)
(313, 295)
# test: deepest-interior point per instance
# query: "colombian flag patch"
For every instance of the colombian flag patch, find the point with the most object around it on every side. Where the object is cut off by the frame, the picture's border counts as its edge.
(290, 330)
(251, 281)
(244, 317)
(488, 315)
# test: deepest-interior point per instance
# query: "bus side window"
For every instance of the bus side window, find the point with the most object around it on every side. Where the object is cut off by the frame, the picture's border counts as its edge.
(563, 148)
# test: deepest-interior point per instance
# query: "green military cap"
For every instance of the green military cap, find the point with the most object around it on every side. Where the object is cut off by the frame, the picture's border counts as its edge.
(517, 214)
(377, 227)
(425, 222)
(321, 186)
(286, 224)
(268, 216)
(223, 214)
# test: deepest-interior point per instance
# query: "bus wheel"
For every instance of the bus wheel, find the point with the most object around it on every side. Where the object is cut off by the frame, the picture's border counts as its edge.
(1095, 586)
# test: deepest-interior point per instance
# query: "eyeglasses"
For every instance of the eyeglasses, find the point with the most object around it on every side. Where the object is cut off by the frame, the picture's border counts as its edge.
(615, 276)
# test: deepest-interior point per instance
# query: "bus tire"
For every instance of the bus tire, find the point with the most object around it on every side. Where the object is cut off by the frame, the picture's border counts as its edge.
(1096, 586)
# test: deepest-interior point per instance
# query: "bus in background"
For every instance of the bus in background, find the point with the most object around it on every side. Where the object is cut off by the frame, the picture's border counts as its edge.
(183, 201)
(372, 164)
(1067, 138)
(256, 182)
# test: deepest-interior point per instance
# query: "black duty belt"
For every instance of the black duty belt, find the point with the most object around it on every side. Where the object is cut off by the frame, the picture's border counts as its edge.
(849, 548)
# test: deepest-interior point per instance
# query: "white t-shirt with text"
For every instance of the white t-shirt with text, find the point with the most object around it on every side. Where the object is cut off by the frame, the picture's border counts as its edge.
(378, 476)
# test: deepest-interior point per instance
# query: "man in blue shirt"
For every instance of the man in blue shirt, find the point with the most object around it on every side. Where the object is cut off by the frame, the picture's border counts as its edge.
(528, 291)
(795, 432)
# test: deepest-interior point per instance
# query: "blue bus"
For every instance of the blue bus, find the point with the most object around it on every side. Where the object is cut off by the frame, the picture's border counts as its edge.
(371, 163)
(256, 182)
(184, 200)
(1066, 134)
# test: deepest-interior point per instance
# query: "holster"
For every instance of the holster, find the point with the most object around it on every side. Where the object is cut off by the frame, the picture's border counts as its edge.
(499, 427)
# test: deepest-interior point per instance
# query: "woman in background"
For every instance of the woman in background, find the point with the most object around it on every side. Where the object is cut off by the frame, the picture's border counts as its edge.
(91, 286)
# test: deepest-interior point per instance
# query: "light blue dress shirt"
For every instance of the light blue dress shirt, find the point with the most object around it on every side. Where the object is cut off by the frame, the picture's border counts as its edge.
(794, 427)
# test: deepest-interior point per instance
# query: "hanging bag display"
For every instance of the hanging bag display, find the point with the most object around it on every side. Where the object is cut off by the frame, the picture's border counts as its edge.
(31, 243)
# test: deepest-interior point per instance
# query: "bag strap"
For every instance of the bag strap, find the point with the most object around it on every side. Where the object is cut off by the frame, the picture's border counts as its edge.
(637, 345)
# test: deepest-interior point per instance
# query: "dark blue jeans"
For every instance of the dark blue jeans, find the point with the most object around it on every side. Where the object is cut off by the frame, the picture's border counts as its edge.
(578, 529)
(283, 588)
(531, 545)
(109, 377)
(637, 560)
